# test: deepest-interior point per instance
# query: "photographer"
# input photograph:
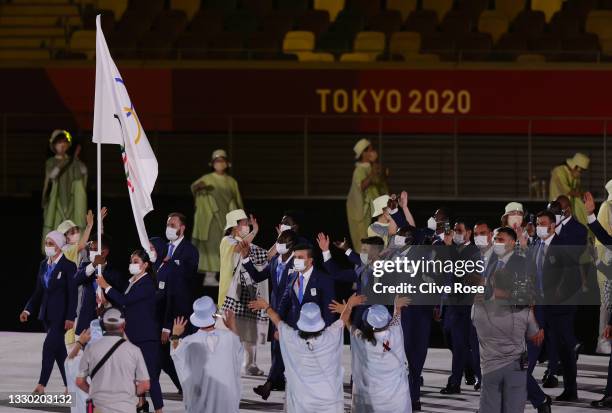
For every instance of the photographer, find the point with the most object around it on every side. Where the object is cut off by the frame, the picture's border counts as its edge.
(502, 328)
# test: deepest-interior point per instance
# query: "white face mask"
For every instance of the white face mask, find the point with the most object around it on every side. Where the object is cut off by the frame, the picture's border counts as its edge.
(515, 220)
(393, 211)
(299, 264)
(499, 248)
(431, 223)
(481, 241)
(458, 239)
(281, 248)
(364, 258)
(171, 233)
(558, 219)
(243, 231)
(542, 232)
(153, 257)
(134, 269)
(74, 238)
(284, 227)
(399, 241)
(92, 255)
(50, 251)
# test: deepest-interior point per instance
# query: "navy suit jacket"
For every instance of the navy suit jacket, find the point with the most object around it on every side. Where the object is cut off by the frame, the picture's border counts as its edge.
(87, 312)
(173, 296)
(573, 233)
(186, 257)
(323, 287)
(269, 272)
(400, 218)
(58, 301)
(138, 306)
(601, 234)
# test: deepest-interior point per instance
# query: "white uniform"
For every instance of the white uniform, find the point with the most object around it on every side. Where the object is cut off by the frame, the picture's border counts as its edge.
(380, 376)
(313, 369)
(208, 366)
(72, 370)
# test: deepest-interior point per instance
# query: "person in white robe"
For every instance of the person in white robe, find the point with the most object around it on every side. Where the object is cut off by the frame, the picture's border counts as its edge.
(208, 362)
(71, 365)
(379, 366)
(313, 360)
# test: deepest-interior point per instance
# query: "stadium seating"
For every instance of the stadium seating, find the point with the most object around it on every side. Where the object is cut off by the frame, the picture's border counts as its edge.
(315, 21)
(405, 7)
(494, 23)
(510, 8)
(548, 7)
(367, 47)
(333, 7)
(404, 44)
(189, 7)
(387, 21)
(440, 7)
(298, 42)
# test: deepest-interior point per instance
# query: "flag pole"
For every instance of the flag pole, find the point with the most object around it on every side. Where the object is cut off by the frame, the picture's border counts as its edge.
(99, 199)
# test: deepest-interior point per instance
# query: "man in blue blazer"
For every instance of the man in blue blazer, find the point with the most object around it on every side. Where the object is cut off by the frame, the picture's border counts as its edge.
(183, 253)
(86, 278)
(306, 284)
(277, 271)
(55, 297)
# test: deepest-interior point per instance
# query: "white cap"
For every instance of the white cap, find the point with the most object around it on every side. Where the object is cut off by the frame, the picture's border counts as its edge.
(57, 237)
(66, 226)
(579, 159)
(310, 319)
(379, 204)
(378, 316)
(204, 310)
(609, 189)
(218, 153)
(361, 146)
(232, 218)
(512, 207)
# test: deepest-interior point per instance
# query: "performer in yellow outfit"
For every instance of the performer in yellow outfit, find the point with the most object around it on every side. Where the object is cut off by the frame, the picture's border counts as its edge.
(215, 194)
(64, 192)
(604, 216)
(368, 183)
(565, 180)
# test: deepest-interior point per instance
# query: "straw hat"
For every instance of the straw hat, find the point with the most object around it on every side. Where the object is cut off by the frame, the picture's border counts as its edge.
(579, 159)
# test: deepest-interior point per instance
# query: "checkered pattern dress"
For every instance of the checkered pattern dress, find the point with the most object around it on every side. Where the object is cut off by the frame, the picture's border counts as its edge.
(246, 289)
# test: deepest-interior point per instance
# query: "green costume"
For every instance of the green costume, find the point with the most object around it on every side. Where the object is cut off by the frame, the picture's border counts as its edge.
(359, 202)
(64, 193)
(562, 183)
(220, 196)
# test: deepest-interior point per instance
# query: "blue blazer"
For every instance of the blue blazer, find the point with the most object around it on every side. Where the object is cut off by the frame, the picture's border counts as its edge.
(57, 301)
(173, 296)
(87, 311)
(138, 306)
(269, 272)
(601, 234)
(321, 284)
(186, 257)
(573, 233)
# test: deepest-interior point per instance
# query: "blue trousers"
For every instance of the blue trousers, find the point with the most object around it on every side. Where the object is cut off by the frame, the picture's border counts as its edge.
(416, 325)
(560, 321)
(54, 351)
(535, 395)
(457, 325)
(277, 369)
(150, 353)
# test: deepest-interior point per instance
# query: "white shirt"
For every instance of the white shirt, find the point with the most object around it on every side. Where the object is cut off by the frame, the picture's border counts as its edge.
(564, 221)
(486, 256)
(591, 218)
(306, 276)
(327, 255)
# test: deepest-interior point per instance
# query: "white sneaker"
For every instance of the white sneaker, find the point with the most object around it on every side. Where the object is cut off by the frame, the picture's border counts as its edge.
(210, 280)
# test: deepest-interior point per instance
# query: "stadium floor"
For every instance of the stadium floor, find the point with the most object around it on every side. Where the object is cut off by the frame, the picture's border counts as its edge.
(20, 363)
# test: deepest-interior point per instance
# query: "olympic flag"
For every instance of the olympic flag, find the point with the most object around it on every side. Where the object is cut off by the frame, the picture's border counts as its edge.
(116, 122)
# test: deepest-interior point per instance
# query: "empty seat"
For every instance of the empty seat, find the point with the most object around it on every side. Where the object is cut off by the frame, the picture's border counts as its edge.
(441, 7)
(297, 42)
(316, 21)
(599, 22)
(405, 7)
(117, 6)
(207, 23)
(404, 43)
(367, 8)
(474, 46)
(510, 8)
(422, 21)
(473, 8)
(84, 42)
(278, 22)
(357, 57)
(335, 42)
(189, 7)
(224, 6)
(259, 8)
(369, 42)
(439, 43)
(548, 7)
(264, 45)
(388, 22)
(333, 7)
(456, 22)
(226, 45)
(242, 21)
(348, 23)
(494, 23)
(158, 43)
(529, 22)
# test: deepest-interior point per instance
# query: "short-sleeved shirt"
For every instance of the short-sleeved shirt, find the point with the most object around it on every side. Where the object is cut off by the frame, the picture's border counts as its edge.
(113, 389)
(502, 330)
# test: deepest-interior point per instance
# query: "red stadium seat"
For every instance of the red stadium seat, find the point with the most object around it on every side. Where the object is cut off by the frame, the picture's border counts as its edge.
(316, 21)
(421, 21)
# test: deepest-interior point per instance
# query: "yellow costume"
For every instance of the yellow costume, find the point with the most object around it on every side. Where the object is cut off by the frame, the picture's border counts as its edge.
(562, 182)
(220, 196)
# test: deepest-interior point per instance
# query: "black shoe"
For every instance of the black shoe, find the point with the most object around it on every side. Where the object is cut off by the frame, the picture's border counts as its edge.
(278, 386)
(263, 390)
(144, 408)
(606, 401)
(545, 407)
(470, 380)
(449, 389)
(567, 396)
(550, 382)
(477, 385)
(416, 406)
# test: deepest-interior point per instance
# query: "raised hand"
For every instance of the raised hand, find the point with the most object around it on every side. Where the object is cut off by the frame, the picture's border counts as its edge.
(323, 241)
(254, 223)
(258, 304)
(401, 302)
(23, 316)
(244, 248)
(178, 328)
(336, 307)
(589, 203)
(403, 199)
(343, 245)
(356, 300)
